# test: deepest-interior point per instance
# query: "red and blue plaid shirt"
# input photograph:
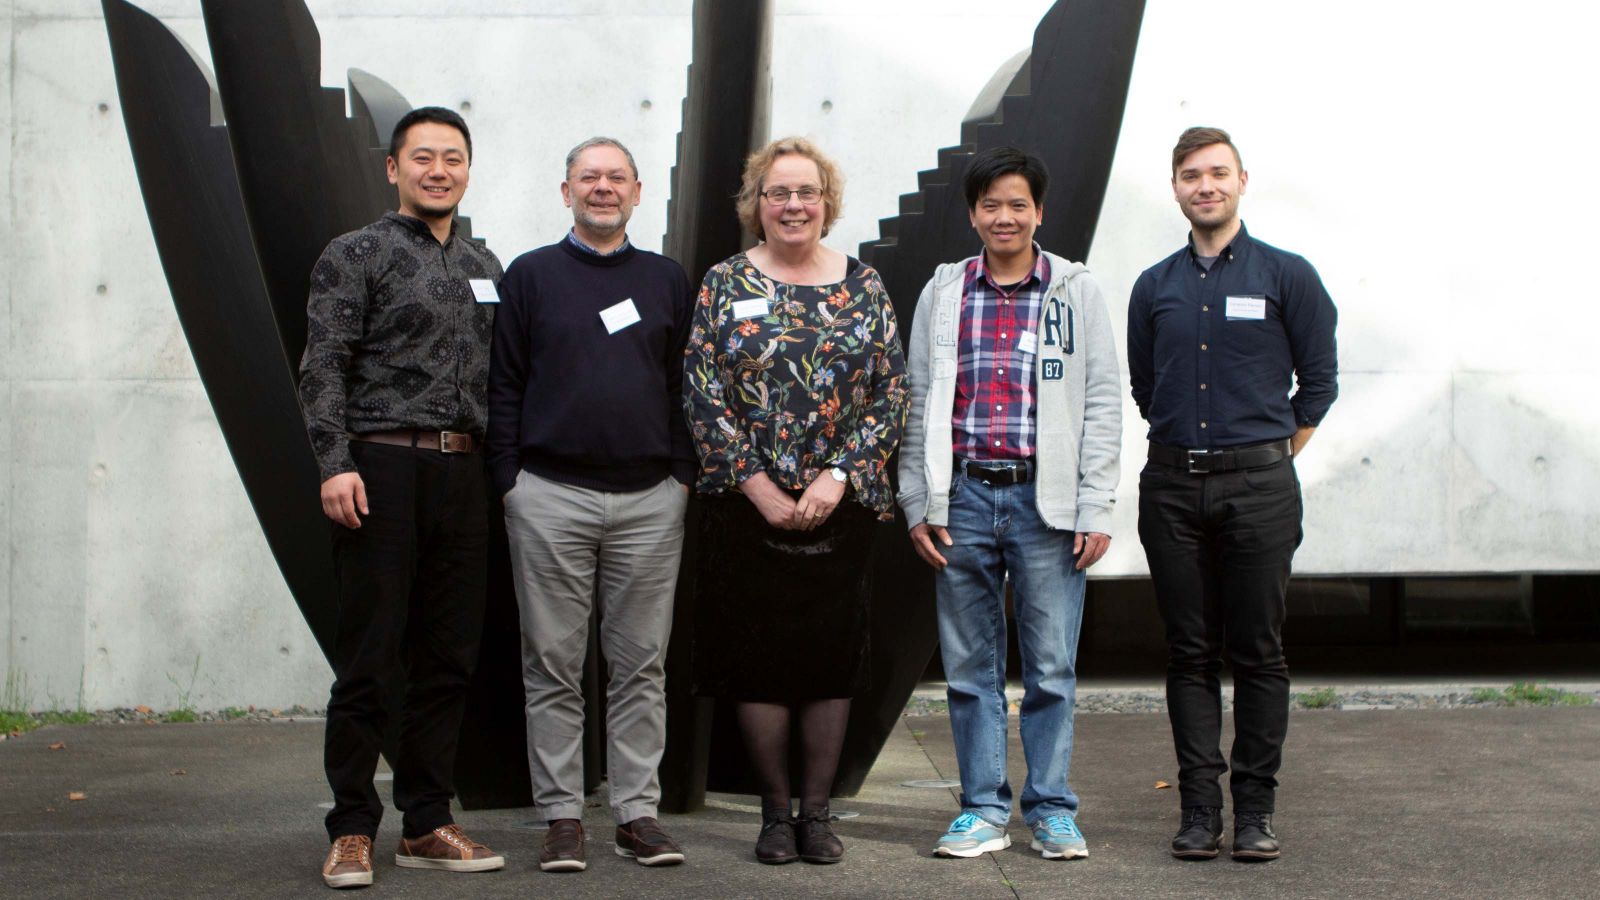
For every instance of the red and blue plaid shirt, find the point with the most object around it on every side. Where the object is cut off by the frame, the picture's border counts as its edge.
(993, 416)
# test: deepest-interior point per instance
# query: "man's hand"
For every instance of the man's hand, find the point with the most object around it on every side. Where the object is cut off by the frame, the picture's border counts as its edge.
(343, 496)
(1302, 436)
(1089, 546)
(774, 505)
(922, 538)
(818, 502)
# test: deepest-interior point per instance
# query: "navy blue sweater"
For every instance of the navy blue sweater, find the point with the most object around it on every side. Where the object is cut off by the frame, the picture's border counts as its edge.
(571, 401)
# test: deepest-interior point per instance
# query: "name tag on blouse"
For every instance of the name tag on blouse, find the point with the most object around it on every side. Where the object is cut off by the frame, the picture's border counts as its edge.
(619, 316)
(749, 309)
(483, 290)
(1246, 308)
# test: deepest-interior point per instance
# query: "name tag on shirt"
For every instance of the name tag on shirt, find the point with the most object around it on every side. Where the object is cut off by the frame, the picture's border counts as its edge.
(1028, 342)
(749, 309)
(1246, 308)
(619, 316)
(483, 290)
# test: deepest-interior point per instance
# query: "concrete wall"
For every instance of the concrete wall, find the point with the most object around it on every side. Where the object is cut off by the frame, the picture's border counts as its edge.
(1425, 160)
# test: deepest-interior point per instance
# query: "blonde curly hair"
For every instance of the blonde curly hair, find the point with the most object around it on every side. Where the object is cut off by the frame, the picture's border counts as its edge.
(760, 162)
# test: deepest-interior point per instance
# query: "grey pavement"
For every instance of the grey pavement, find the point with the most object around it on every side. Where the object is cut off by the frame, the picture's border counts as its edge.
(1392, 803)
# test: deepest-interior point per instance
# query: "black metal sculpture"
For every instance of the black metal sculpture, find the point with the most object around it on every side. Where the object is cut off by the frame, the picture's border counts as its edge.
(238, 249)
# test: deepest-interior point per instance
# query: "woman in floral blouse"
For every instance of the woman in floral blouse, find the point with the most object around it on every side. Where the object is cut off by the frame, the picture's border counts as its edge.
(795, 392)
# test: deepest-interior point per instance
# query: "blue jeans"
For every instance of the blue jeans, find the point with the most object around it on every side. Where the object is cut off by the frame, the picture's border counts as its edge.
(997, 530)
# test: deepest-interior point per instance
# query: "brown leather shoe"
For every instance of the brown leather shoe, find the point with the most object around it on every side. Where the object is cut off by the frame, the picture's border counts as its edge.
(349, 862)
(563, 847)
(643, 841)
(813, 833)
(447, 848)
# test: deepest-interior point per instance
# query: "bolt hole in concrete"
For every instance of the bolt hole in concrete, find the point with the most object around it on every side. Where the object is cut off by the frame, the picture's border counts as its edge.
(1366, 460)
(283, 651)
(645, 105)
(100, 470)
(466, 106)
(1538, 460)
(103, 107)
(99, 289)
(827, 106)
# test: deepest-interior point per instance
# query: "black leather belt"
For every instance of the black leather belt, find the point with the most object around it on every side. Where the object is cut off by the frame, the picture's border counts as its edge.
(1210, 462)
(999, 472)
(442, 441)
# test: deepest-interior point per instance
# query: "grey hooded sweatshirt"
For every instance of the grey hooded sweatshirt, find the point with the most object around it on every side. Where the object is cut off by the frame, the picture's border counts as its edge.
(1077, 403)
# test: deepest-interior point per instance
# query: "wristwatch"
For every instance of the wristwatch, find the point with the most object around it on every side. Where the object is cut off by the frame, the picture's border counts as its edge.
(838, 475)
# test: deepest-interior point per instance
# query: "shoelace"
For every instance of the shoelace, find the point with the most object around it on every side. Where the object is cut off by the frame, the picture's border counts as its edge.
(455, 835)
(1062, 825)
(1254, 819)
(350, 848)
(1197, 815)
(964, 822)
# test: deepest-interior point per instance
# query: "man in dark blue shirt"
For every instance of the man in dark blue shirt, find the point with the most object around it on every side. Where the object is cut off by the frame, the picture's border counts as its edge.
(1218, 334)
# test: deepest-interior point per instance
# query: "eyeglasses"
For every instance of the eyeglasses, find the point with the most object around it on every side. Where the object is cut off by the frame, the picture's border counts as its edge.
(780, 196)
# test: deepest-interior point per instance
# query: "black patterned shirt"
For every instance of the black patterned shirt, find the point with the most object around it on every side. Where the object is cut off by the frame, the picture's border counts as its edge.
(394, 337)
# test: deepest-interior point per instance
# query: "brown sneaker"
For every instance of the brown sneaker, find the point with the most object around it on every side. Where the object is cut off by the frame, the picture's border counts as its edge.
(563, 847)
(349, 862)
(643, 841)
(447, 848)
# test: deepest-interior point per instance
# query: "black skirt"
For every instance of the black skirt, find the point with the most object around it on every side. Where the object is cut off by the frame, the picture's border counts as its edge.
(781, 615)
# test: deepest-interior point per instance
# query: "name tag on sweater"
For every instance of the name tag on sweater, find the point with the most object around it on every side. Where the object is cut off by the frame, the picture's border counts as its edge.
(1246, 308)
(749, 309)
(619, 316)
(483, 290)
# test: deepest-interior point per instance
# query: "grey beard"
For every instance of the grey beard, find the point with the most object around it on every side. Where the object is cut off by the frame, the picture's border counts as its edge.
(606, 229)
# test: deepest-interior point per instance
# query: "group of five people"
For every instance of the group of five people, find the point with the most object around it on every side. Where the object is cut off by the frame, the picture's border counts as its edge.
(591, 387)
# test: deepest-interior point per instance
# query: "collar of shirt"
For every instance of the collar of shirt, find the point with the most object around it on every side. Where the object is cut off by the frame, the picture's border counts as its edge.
(1235, 247)
(576, 241)
(416, 224)
(980, 270)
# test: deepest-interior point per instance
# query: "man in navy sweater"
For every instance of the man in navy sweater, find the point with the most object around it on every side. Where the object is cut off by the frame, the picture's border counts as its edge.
(588, 448)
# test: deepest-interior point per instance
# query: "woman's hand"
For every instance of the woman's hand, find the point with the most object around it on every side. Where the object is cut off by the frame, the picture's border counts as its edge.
(774, 505)
(818, 502)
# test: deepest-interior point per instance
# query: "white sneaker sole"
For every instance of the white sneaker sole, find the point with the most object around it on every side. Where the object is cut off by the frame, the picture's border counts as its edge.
(990, 846)
(563, 865)
(660, 859)
(348, 880)
(487, 864)
(1065, 854)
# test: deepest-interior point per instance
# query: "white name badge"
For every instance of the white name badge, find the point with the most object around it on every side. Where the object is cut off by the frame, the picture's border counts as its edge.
(483, 290)
(749, 309)
(1246, 308)
(1028, 342)
(619, 316)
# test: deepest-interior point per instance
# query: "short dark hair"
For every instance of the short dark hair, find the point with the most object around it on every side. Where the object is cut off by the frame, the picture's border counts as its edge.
(436, 114)
(1199, 136)
(990, 165)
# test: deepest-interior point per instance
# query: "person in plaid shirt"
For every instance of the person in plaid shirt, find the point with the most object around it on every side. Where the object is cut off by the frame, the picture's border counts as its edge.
(1009, 470)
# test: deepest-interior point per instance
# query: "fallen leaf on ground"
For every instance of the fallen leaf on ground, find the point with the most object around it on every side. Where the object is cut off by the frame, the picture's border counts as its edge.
(1162, 784)
(77, 795)
(141, 708)
(59, 745)
(180, 771)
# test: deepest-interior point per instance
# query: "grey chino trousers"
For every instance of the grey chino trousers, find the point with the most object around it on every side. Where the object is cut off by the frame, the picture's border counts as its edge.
(569, 546)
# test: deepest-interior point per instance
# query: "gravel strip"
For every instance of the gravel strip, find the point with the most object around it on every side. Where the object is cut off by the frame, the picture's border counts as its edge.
(932, 703)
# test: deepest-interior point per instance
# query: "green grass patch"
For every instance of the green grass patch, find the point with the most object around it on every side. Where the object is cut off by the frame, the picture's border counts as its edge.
(1321, 698)
(184, 714)
(234, 712)
(17, 721)
(66, 717)
(1570, 699)
(1528, 693)
(1488, 695)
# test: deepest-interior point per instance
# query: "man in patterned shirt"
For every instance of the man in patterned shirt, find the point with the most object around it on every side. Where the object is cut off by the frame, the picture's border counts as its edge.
(394, 389)
(1008, 472)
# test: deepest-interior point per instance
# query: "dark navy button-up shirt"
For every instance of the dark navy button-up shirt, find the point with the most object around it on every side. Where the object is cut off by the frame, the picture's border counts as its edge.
(1213, 354)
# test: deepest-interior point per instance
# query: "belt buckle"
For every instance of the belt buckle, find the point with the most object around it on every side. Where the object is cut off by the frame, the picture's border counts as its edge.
(447, 441)
(1196, 456)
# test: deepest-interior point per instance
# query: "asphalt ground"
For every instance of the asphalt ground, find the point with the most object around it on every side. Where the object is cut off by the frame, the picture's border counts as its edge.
(1381, 803)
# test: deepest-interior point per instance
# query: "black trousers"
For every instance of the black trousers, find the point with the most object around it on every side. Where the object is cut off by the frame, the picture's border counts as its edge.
(1219, 548)
(411, 594)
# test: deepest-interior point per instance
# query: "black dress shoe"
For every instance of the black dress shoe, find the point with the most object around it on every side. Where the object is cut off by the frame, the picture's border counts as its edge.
(814, 834)
(1198, 835)
(1253, 840)
(776, 845)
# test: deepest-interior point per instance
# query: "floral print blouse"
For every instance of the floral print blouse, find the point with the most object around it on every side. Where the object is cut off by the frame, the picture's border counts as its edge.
(793, 379)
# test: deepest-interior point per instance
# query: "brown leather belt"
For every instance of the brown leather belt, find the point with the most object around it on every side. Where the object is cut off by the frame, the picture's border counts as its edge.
(1209, 462)
(442, 441)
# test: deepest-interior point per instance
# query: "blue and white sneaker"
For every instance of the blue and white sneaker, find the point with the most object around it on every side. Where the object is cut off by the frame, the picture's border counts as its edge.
(971, 836)
(1058, 837)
